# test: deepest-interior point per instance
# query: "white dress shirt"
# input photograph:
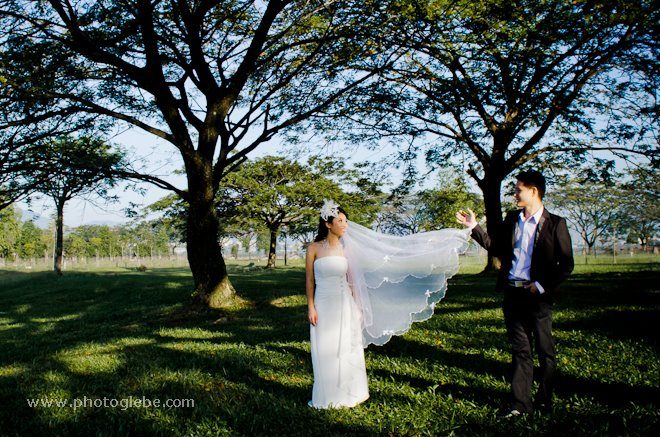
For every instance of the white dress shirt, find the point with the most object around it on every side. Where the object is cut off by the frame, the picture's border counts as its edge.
(524, 247)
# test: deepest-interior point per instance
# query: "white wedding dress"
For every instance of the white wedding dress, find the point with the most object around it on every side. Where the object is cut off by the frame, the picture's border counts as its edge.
(340, 375)
(394, 282)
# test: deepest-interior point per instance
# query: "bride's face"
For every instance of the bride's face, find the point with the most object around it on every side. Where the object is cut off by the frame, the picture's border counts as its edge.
(338, 225)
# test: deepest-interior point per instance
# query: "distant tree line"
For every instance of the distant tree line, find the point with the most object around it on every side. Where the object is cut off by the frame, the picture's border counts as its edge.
(24, 240)
(273, 197)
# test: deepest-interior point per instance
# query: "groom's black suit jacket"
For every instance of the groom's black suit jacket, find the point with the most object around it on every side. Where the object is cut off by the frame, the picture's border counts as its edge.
(552, 257)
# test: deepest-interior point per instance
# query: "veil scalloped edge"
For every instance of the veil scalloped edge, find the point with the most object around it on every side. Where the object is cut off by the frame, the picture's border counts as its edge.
(406, 257)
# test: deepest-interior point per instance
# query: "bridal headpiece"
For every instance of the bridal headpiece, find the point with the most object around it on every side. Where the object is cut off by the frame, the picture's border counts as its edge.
(329, 209)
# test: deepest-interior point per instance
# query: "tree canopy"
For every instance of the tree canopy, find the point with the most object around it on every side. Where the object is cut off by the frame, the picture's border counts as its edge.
(502, 85)
(215, 79)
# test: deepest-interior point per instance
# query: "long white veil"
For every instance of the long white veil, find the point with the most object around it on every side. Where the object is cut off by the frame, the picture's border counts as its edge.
(397, 280)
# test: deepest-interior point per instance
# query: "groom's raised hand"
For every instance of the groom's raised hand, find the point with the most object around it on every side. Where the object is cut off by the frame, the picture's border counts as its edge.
(467, 219)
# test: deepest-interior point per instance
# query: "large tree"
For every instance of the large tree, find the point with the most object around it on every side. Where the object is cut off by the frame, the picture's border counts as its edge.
(72, 167)
(215, 79)
(517, 83)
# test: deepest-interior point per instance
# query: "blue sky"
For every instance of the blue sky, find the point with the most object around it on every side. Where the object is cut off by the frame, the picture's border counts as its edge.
(160, 158)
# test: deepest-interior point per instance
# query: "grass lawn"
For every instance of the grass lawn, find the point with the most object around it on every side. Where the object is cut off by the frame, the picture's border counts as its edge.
(117, 333)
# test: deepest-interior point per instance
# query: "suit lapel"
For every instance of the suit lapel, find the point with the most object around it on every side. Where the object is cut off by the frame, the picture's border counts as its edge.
(514, 227)
(542, 228)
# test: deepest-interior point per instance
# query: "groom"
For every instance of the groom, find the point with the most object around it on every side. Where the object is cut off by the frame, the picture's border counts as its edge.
(535, 249)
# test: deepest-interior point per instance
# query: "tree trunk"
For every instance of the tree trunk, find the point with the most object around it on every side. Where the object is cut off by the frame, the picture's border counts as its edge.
(491, 187)
(59, 236)
(593, 250)
(212, 285)
(585, 250)
(272, 250)
(285, 248)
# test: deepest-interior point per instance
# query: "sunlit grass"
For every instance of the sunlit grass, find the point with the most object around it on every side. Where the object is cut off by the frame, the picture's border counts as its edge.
(119, 334)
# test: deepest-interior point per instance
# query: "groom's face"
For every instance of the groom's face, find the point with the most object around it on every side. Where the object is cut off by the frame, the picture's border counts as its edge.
(524, 195)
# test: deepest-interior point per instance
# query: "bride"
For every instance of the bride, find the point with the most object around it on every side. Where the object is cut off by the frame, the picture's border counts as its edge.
(362, 288)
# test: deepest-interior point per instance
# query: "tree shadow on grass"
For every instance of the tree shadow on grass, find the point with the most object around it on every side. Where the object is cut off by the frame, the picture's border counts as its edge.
(478, 395)
(262, 286)
(44, 315)
(45, 318)
(611, 394)
(234, 395)
(610, 289)
(88, 307)
(637, 324)
(474, 363)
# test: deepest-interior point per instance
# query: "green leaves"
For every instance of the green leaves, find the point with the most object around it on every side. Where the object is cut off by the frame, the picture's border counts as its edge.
(430, 209)
(273, 192)
(70, 166)
(9, 232)
(30, 242)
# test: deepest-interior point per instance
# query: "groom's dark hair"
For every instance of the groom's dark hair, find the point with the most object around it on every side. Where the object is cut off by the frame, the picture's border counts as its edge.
(533, 178)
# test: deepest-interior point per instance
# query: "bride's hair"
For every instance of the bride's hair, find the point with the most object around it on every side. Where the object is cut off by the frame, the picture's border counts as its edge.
(322, 232)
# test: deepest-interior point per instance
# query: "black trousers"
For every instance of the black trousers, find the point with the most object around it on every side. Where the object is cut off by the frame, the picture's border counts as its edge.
(529, 322)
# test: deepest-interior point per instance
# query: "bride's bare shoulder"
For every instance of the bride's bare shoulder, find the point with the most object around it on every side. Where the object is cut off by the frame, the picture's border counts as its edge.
(312, 247)
(311, 253)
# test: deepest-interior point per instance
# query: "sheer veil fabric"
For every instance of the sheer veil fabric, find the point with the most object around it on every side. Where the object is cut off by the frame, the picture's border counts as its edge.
(397, 280)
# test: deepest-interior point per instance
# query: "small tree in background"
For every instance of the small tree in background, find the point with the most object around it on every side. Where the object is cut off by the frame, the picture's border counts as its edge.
(641, 204)
(442, 203)
(273, 192)
(430, 209)
(9, 232)
(73, 167)
(592, 208)
(30, 243)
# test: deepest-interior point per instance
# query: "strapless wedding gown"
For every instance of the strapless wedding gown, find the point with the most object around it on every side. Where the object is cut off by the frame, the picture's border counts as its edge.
(340, 375)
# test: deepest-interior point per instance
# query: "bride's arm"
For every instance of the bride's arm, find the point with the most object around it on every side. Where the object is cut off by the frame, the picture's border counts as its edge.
(309, 283)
